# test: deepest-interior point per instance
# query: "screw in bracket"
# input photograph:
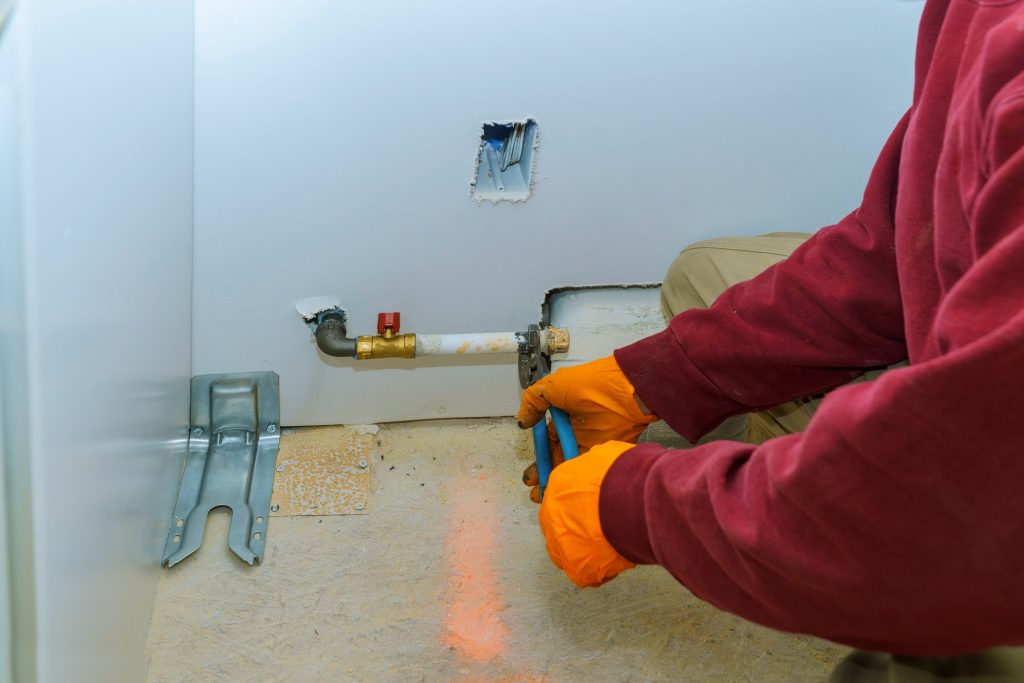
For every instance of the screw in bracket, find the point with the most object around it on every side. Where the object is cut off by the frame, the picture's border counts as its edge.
(198, 431)
(271, 428)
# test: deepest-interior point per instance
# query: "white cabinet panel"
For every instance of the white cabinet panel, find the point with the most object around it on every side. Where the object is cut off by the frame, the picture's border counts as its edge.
(104, 243)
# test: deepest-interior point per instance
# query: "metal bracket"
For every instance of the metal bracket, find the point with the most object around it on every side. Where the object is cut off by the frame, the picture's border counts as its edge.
(533, 363)
(232, 453)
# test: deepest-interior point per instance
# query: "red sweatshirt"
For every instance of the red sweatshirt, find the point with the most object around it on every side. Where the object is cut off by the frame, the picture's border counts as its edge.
(896, 521)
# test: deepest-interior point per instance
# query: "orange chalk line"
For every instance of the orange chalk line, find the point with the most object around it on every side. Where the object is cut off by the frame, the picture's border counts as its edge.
(473, 625)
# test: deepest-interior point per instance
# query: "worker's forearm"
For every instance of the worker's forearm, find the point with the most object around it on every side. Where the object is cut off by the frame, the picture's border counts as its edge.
(866, 529)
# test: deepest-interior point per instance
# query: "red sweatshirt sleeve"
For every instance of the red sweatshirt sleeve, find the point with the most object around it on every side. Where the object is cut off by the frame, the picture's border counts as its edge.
(895, 522)
(813, 322)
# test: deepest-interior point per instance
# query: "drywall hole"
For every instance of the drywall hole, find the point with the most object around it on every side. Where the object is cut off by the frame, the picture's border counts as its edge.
(505, 161)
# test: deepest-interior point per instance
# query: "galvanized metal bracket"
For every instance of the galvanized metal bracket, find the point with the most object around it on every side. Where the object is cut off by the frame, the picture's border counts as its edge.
(232, 453)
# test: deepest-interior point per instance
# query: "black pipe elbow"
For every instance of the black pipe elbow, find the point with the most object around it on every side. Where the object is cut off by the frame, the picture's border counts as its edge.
(332, 336)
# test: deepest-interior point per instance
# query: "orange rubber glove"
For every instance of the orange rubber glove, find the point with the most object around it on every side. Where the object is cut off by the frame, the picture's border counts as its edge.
(601, 403)
(570, 520)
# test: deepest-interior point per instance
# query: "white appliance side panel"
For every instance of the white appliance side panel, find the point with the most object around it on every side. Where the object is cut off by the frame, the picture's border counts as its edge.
(107, 144)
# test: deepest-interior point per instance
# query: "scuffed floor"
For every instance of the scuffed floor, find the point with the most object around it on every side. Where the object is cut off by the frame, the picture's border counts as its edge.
(444, 579)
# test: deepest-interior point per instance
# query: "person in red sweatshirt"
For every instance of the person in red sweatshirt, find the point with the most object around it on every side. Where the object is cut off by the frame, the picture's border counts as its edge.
(894, 522)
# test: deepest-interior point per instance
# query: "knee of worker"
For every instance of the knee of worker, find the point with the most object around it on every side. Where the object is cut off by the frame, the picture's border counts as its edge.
(705, 269)
(691, 281)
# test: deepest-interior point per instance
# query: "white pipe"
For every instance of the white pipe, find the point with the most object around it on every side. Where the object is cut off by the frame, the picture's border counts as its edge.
(493, 164)
(458, 344)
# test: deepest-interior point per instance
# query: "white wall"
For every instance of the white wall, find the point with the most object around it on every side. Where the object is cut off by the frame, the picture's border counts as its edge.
(101, 320)
(335, 142)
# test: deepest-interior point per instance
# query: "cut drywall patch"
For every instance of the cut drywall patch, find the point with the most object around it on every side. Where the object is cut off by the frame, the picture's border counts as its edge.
(505, 161)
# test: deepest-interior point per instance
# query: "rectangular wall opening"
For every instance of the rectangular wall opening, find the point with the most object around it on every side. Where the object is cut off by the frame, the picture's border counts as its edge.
(505, 161)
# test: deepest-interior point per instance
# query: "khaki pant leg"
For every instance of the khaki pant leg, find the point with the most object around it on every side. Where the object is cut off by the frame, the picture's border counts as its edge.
(706, 269)
(695, 279)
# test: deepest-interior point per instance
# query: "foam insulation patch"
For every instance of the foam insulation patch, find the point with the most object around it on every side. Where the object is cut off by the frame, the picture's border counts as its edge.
(324, 471)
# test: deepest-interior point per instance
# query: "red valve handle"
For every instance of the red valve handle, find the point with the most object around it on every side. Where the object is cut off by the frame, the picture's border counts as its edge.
(386, 321)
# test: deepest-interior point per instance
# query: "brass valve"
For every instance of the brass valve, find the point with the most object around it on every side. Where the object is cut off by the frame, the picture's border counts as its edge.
(382, 346)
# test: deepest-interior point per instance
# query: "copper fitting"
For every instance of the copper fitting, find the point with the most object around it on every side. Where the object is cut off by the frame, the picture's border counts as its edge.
(383, 346)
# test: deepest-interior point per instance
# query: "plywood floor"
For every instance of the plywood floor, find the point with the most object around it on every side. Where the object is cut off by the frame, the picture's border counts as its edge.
(444, 579)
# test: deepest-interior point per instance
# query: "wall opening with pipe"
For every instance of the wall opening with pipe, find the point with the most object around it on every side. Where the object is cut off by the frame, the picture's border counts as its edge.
(505, 161)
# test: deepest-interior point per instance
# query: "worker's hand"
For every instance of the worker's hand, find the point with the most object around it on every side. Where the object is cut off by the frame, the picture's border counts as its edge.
(570, 520)
(601, 403)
